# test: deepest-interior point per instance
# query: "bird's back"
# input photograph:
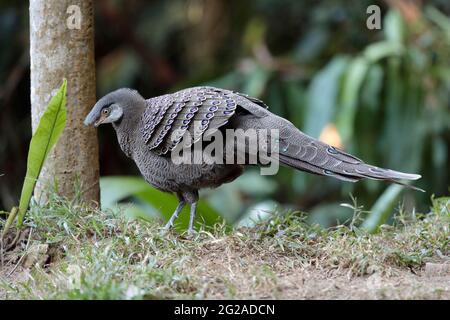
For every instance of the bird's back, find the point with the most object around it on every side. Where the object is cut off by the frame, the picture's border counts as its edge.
(191, 112)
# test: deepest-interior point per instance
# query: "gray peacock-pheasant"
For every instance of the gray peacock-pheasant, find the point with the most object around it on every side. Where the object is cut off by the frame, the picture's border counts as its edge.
(149, 131)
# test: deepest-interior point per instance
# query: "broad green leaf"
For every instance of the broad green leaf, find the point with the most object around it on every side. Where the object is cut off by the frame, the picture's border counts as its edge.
(50, 127)
(237, 196)
(256, 81)
(382, 209)
(259, 212)
(439, 18)
(379, 50)
(394, 27)
(354, 78)
(114, 189)
(295, 102)
(371, 90)
(404, 110)
(274, 98)
(322, 96)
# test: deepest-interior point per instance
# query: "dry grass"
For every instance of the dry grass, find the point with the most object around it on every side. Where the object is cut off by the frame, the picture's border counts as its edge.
(78, 253)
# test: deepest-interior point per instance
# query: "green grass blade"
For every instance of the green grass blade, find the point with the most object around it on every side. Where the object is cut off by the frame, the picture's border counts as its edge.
(50, 127)
(382, 209)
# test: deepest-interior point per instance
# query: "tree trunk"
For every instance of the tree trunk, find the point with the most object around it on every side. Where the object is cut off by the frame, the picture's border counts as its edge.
(62, 46)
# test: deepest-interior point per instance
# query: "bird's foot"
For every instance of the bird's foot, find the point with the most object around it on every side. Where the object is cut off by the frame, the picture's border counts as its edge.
(168, 226)
(190, 234)
(172, 219)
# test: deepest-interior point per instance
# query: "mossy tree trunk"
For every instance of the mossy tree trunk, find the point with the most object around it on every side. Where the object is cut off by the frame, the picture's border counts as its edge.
(62, 46)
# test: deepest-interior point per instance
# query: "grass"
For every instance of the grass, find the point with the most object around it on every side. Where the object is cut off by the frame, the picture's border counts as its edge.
(74, 252)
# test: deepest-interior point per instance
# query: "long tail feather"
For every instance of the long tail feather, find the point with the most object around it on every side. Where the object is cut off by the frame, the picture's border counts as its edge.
(302, 152)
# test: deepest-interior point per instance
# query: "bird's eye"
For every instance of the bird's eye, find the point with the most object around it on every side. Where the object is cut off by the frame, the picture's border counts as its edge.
(105, 111)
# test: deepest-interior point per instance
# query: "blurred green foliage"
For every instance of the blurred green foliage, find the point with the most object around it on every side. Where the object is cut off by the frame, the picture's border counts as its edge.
(380, 94)
(149, 202)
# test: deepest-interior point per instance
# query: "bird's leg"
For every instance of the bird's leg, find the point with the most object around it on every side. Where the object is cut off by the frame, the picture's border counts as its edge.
(174, 216)
(192, 217)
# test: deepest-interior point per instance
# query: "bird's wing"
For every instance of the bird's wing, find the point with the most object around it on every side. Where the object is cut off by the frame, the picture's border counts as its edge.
(167, 118)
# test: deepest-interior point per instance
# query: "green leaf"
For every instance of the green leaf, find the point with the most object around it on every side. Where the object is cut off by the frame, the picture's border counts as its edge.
(322, 96)
(439, 18)
(382, 209)
(50, 127)
(379, 50)
(257, 213)
(295, 102)
(116, 188)
(394, 27)
(354, 78)
(256, 81)
(371, 90)
(236, 196)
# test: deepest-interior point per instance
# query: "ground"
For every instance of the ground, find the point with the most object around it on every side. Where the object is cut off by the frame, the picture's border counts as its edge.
(71, 251)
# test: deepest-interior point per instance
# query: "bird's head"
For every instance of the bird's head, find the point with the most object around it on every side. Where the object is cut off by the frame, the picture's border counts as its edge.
(112, 107)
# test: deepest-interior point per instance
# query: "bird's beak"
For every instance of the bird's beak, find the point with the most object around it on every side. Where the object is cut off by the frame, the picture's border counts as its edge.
(100, 120)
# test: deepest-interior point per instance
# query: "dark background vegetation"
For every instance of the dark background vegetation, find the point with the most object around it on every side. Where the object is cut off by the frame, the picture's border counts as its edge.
(380, 94)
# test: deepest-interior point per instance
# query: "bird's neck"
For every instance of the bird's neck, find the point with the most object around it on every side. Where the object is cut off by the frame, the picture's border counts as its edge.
(126, 130)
